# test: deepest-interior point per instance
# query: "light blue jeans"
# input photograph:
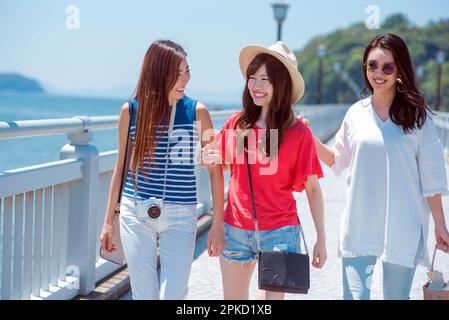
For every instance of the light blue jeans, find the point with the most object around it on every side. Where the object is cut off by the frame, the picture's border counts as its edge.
(357, 278)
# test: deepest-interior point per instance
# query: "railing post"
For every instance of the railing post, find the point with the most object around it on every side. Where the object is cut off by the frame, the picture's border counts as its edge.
(81, 251)
(204, 195)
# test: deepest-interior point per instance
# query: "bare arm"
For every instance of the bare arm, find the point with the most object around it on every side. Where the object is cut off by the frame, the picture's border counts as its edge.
(316, 204)
(118, 169)
(216, 236)
(114, 188)
(441, 232)
(325, 153)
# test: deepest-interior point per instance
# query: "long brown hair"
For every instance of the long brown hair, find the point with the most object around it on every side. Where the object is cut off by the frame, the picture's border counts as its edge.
(409, 109)
(158, 76)
(280, 113)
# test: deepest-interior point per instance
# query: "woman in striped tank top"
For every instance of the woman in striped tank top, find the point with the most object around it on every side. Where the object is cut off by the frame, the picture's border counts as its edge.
(158, 207)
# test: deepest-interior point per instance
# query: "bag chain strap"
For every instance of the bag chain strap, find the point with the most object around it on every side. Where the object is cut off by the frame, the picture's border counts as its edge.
(430, 273)
(256, 223)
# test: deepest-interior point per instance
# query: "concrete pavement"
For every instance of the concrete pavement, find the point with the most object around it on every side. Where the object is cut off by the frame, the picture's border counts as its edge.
(326, 284)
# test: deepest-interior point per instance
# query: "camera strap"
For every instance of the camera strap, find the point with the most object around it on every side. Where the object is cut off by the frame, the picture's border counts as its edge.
(169, 132)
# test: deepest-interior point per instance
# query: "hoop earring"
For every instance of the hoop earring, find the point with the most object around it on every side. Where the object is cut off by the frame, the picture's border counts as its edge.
(399, 81)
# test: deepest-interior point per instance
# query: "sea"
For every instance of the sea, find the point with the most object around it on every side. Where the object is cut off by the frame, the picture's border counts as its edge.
(23, 152)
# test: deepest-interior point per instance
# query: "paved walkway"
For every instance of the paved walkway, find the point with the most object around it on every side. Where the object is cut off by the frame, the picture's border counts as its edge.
(205, 279)
(326, 284)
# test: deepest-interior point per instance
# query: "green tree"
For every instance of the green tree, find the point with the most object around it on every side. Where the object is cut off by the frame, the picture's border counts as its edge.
(347, 45)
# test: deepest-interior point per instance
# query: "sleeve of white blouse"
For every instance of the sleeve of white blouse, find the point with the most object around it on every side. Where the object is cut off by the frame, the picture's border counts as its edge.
(430, 158)
(341, 149)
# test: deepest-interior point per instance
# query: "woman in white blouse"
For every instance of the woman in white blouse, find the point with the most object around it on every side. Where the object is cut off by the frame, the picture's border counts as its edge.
(396, 173)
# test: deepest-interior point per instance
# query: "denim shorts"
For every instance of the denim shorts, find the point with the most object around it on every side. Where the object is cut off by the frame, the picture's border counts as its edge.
(240, 245)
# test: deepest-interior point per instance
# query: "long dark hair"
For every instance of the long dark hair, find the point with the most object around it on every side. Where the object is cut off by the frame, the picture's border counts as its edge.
(158, 76)
(280, 113)
(409, 109)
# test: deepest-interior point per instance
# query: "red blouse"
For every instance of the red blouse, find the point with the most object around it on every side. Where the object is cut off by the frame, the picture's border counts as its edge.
(273, 180)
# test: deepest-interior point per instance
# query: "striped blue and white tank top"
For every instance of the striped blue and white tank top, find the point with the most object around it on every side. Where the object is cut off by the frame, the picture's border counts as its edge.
(180, 181)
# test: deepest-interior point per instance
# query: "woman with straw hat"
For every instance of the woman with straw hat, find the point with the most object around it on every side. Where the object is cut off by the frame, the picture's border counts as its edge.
(282, 156)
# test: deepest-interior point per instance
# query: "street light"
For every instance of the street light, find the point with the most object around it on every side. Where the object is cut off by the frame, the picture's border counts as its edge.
(420, 75)
(321, 52)
(337, 69)
(280, 13)
(440, 56)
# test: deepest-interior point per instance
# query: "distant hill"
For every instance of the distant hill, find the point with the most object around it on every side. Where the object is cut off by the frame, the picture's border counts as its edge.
(347, 45)
(11, 82)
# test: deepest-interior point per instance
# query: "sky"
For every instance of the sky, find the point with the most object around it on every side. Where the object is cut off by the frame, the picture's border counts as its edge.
(104, 55)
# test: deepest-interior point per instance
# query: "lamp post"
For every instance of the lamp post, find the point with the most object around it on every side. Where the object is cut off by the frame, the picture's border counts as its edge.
(337, 69)
(280, 13)
(321, 52)
(440, 56)
(420, 76)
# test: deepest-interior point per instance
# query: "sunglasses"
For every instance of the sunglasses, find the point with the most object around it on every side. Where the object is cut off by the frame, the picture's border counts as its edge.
(388, 67)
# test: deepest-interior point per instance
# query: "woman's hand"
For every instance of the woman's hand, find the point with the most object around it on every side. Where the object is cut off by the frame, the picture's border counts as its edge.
(106, 238)
(442, 238)
(209, 156)
(441, 233)
(319, 254)
(215, 239)
(303, 120)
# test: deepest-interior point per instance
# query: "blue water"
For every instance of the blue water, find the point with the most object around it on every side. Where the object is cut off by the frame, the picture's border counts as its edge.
(17, 153)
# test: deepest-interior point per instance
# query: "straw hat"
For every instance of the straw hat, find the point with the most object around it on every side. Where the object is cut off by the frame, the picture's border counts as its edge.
(280, 51)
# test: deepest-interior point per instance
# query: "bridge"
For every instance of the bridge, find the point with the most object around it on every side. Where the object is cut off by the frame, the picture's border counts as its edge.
(52, 214)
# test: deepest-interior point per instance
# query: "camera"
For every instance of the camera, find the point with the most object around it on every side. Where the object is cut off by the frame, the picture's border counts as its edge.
(150, 208)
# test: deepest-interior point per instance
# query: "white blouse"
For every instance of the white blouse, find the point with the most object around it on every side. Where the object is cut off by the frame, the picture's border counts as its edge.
(389, 175)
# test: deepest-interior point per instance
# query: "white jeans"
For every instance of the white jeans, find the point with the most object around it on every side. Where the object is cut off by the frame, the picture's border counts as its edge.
(175, 232)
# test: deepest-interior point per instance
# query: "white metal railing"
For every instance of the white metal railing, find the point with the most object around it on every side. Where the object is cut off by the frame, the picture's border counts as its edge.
(324, 119)
(35, 128)
(442, 123)
(35, 225)
(52, 213)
